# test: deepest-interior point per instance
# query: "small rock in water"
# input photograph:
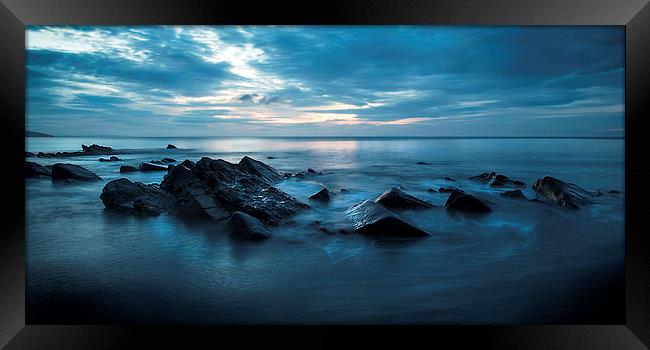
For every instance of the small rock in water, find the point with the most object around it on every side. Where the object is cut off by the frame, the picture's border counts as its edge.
(614, 192)
(152, 166)
(168, 160)
(423, 163)
(96, 149)
(62, 171)
(243, 226)
(563, 193)
(312, 171)
(467, 203)
(431, 190)
(449, 190)
(270, 157)
(397, 199)
(447, 178)
(29, 155)
(515, 194)
(128, 169)
(485, 177)
(372, 219)
(125, 196)
(33, 169)
(170, 146)
(323, 195)
(343, 190)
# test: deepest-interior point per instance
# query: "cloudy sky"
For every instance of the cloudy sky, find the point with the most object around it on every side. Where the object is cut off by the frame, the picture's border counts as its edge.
(325, 81)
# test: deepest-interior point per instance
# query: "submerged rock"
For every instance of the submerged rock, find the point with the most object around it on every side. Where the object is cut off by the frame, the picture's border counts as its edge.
(563, 193)
(170, 146)
(372, 219)
(152, 166)
(449, 189)
(467, 203)
(270, 157)
(243, 226)
(423, 163)
(128, 169)
(614, 192)
(322, 196)
(137, 198)
(485, 177)
(33, 169)
(447, 178)
(397, 199)
(111, 159)
(431, 190)
(496, 180)
(62, 171)
(515, 194)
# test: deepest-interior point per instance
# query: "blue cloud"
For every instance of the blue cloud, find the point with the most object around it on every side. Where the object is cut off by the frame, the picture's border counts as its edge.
(326, 80)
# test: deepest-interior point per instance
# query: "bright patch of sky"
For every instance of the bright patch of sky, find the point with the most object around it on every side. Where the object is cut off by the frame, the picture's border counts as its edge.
(325, 81)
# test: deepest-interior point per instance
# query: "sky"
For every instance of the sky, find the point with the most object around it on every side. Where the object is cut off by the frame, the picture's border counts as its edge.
(325, 81)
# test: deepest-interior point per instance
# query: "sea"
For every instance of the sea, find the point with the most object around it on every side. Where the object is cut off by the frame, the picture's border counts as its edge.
(524, 263)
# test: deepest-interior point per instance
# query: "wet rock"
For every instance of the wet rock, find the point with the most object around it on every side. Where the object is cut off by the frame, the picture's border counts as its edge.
(515, 194)
(449, 189)
(312, 171)
(33, 170)
(614, 192)
(467, 203)
(423, 163)
(259, 169)
(111, 159)
(125, 196)
(152, 166)
(485, 177)
(128, 169)
(270, 157)
(343, 190)
(497, 183)
(496, 180)
(372, 219)
(62, 171)
(96, 149)
(447, 178)
(170, 146)
(397, 199)
(243, 226)
(29, 155)
(431, 190)
(86, 150)
(566, 194)
(323, 195)
(168, 160)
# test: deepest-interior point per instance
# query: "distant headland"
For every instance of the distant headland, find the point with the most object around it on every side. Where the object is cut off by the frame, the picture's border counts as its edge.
(36, 134)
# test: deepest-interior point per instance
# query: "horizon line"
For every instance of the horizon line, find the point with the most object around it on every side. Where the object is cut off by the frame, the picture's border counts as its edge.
(342, 137)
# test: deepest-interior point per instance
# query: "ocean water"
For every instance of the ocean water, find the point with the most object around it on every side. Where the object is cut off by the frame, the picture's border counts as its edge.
(524, 263)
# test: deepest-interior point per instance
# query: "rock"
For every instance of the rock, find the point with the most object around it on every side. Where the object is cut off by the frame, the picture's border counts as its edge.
(96, 149)
(243, 226)
(322, 196)
(33, 169)
(515, 194)
(343, 190)
(496, 180)
(257, 168)
(563, 193)
(188, 163)
(614, 192)
(485, 177)
(62, 171)
(447, 178)
(431, 190)
(397, 199)
(518, 183)
(170, 146)
(449, 189)
(372, 219)
(111, 159)
(137, 198)
(168, 160)
(496, 183)
(423, 163)
(466, 203)
(270, 157)
(128, 169)
(29, 155)
(150, 166)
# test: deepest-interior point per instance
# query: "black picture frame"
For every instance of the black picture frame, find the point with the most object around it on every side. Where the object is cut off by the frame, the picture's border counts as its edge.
(633, 14)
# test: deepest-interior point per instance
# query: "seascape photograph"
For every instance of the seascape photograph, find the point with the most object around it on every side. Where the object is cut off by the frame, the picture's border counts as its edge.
(325, 175)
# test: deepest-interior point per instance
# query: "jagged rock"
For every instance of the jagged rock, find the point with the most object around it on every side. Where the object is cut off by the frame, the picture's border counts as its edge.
(323, 195)
(310, 170)
(563, 193)
(397, 199)
(515, 194)
(467, 203)
(215, 189)
(151, 166)
(372, 219)
(33, 169)
(137, 198)
(96, 149)
(168, 160)
(86, 150)
(62, 171)
(128, 169)
(243, 226)
(496, 180)
(170, 146)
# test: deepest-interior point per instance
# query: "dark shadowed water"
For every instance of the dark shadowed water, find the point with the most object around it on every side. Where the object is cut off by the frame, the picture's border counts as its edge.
(524, 263)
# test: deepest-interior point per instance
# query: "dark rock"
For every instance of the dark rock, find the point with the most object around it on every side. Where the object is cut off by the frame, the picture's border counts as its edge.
(397, 199)
(170, 146)
(423, 163)
(111, 159)
(128, 169)
(496, 183)
(62, 171)
(86, 150)
(323, 195)
(310, 170)
(614, 192)
(449, 190)
(535, 200)
(447, 178)
(518, 183)
(243, 226)
(33, 169)
(270, 157)
(563, 193)
(372, 219)
(168, 160)
(96, 149)
(257, 168)
(515, 194)
(466, 203)
(137, 198)
(188, 164)
(343, 190)
(496, 180)
(151, 166)
(29, 155)
(485, 177)
(431, 190)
